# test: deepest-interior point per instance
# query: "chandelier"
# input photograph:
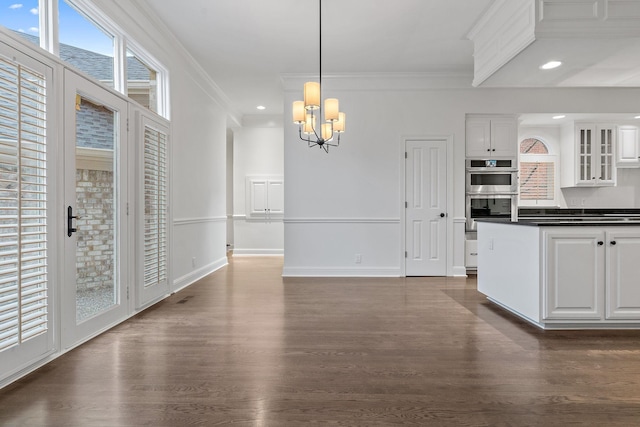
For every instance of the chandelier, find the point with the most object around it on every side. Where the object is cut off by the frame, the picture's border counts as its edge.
(320, 127)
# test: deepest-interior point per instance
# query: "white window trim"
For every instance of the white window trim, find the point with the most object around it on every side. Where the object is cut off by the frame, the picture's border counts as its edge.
(50, 41)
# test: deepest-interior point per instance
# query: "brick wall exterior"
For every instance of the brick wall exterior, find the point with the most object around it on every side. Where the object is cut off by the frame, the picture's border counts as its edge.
(95, 252)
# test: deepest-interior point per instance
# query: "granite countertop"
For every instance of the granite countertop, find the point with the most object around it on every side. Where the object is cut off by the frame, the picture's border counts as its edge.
(582, 222)
(578, 217)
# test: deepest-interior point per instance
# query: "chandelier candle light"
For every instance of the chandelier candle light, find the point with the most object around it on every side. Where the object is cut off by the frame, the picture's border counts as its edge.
(308, 114)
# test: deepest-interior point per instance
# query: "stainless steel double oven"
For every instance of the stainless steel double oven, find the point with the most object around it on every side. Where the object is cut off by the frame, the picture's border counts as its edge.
(491, 189)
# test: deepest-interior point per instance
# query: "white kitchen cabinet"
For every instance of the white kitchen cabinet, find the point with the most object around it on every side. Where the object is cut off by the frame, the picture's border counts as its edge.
(574, 274)
(471, 254)
(628, 147)
(623, 274)
(592, 273)
(593, 163)
(491, 137)
(264, 197)
(563, 276)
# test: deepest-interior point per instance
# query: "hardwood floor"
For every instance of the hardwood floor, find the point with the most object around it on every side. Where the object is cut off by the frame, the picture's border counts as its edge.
(245, 347)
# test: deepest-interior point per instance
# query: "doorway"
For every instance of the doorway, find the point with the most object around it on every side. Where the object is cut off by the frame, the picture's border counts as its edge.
(426, 207)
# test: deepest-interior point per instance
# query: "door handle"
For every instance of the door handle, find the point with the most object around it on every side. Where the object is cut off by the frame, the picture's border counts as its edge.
(442, 215)
(600, 243)
(70, 218)
(613, 242)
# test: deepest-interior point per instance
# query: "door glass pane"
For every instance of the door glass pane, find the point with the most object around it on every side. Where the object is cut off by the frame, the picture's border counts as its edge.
(22, 17)
(96, 209)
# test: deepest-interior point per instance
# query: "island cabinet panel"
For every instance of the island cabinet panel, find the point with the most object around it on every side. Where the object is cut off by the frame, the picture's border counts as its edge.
(623, 280)
(574, 274)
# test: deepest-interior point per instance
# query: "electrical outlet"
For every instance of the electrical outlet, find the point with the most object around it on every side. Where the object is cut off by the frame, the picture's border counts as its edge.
(358, 258)
(193, 262)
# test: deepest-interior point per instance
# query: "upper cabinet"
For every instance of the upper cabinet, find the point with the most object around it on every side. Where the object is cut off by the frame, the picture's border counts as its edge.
(491, 137)
(590, 161)
(264, 197)
(628, 150)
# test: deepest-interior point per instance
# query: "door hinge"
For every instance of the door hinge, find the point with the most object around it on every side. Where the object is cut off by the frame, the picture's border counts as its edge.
(127, 124)
(406, 156)
(406, 254)
(127, 208)
(127, 293)
(406, 205)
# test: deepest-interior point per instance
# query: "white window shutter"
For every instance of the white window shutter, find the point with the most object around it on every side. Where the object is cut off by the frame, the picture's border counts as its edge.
(23, 205)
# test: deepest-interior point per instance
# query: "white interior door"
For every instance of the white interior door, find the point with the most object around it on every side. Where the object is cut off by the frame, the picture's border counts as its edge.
(95, 294)
(425, 213)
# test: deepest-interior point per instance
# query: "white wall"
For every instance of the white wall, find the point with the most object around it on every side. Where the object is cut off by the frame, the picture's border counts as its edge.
(198, 139)
(349, 201)
(258, 150)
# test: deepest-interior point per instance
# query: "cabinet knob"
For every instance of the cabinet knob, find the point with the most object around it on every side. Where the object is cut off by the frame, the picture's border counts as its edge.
(600, 243)
(493, 149)
(488, 149)
(613, 243)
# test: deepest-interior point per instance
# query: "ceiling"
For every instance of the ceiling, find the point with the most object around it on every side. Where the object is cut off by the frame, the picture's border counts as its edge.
(246, 46)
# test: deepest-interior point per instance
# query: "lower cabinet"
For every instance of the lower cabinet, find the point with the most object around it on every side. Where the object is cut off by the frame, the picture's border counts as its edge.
(622, 261)
(591, 273)
(471, 254)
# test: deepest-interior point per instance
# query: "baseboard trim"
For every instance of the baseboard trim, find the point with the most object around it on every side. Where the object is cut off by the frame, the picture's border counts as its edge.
(258, 252)
(192, 277)
(340, 272)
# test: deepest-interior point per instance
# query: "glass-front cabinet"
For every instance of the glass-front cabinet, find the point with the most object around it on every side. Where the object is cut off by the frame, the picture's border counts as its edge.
(595, 149)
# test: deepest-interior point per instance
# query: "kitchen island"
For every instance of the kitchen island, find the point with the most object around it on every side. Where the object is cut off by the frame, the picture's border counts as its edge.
(563, 273)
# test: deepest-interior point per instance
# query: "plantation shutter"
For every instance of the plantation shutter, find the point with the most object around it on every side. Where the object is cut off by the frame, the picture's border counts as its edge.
(155, 207)
(537, 180)
(23, 205)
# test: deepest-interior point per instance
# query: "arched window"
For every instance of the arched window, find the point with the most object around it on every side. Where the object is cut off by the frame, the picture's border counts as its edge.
(537, 174)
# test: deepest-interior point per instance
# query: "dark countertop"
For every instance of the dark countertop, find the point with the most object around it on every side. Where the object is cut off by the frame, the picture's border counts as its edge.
(530, 213)
(582, 222)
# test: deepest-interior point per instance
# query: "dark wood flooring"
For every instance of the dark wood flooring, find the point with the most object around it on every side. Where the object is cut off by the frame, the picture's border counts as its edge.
(245, 347)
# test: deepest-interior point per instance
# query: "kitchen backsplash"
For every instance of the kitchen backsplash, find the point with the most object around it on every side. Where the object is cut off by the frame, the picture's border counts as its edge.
(626, 193)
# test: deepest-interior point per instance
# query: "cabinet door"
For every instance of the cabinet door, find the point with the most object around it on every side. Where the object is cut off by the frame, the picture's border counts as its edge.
(504, 137)
(586, 141)
(275, 198)
(605, 174)
(628, 147)
(623, 267)
(257, 198)
(574, 274)
(478, 137)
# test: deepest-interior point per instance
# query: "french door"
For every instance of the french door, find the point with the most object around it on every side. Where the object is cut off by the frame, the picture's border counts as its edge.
(95, 289)
(27, 219)
(425, 209)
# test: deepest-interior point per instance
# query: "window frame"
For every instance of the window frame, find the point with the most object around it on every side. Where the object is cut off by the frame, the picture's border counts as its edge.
(50, 41)
(549, 157)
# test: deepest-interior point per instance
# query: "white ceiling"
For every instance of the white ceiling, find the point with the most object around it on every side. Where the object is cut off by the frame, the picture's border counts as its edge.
(247, 45)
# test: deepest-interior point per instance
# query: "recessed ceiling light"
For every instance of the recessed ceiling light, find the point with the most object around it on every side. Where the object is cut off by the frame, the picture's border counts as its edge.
(261, 107)
(550, 65)
(558, 117)
(637, 117)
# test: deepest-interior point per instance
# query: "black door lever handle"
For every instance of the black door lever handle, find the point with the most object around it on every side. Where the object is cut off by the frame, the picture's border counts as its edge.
(70, 218)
